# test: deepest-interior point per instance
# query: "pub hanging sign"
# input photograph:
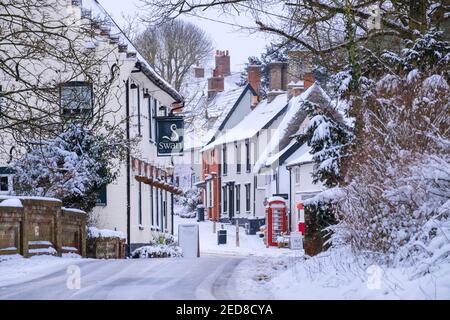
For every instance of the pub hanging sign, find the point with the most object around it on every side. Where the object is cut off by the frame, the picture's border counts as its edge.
(169, 136)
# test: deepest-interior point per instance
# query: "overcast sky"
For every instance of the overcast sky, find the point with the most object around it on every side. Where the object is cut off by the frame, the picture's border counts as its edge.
(240, 43)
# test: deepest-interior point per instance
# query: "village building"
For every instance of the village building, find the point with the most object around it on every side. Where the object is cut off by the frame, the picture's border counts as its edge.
(248, 163)
(285, 148)
(140, 201)
(214, 105)
(209, 103)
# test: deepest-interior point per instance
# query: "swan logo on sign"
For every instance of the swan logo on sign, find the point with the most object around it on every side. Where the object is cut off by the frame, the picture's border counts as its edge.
(169, 138)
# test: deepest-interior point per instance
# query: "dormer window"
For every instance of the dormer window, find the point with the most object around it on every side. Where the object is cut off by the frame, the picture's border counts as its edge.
(76, 98)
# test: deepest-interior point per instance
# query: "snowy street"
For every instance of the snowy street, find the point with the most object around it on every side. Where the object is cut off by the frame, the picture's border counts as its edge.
(204, 278)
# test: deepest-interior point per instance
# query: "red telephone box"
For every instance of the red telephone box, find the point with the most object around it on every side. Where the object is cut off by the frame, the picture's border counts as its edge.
(275, 219)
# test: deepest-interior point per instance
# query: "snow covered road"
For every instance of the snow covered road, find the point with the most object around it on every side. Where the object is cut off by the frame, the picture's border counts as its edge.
(178, 278)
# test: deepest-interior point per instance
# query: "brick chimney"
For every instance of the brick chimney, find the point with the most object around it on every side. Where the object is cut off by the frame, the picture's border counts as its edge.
(300, 76)
(308, 80)
(215, 84)
(199, 72)
(297, 88)
(277, 79)
(223, 63)
(254, 77)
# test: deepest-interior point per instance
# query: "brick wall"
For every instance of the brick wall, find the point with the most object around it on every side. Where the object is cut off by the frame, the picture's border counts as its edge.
(106, 248)
(73, 232)
(10, 228)
(41, 224)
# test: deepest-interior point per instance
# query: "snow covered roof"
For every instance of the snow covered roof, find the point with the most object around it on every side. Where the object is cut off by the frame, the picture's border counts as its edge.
(289, 125)
(97, 11)
(252, 123)
(305, 157)
(270, 160)
(202, 129)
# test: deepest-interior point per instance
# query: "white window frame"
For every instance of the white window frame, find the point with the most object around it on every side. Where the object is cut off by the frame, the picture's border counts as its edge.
(297, 175)
(10, 184)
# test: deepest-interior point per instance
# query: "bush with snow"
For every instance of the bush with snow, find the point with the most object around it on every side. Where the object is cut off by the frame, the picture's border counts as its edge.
(72, 167)
(186, 205)
(157, 251)
(163, 245)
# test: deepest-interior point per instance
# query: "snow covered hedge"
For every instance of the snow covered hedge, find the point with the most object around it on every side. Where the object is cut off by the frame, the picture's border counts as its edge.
(162, 246)
(157, 251)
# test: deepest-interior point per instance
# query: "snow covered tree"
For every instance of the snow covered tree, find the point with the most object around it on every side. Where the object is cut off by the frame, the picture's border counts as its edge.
(329, 135)
(72, 167)
(395, 203)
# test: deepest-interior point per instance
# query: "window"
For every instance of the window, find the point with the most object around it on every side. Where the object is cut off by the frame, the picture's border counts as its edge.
(154, 114)
(102, 197)
(4, 184)
(210, 195)
(247, 197)
(76, 98)
(150, 119)
(139, 110)
(297, 175)
(140, 203)
(151, 205)
(238, 198)
(247, 154)
(224, 159)
(6, 180)
(238, 158)
(224, 198)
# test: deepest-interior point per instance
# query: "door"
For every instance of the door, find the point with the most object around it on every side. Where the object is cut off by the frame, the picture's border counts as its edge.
(231, 200)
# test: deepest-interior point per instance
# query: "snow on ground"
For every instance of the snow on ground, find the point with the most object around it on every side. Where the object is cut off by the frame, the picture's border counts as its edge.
(249, 245)
(16, 269)
(336, 274)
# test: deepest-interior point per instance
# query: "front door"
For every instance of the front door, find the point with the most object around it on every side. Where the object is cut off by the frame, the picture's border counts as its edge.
(231, 200)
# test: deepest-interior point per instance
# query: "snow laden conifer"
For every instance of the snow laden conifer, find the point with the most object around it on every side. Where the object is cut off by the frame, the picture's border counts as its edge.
(329, 136)
(73, 166)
